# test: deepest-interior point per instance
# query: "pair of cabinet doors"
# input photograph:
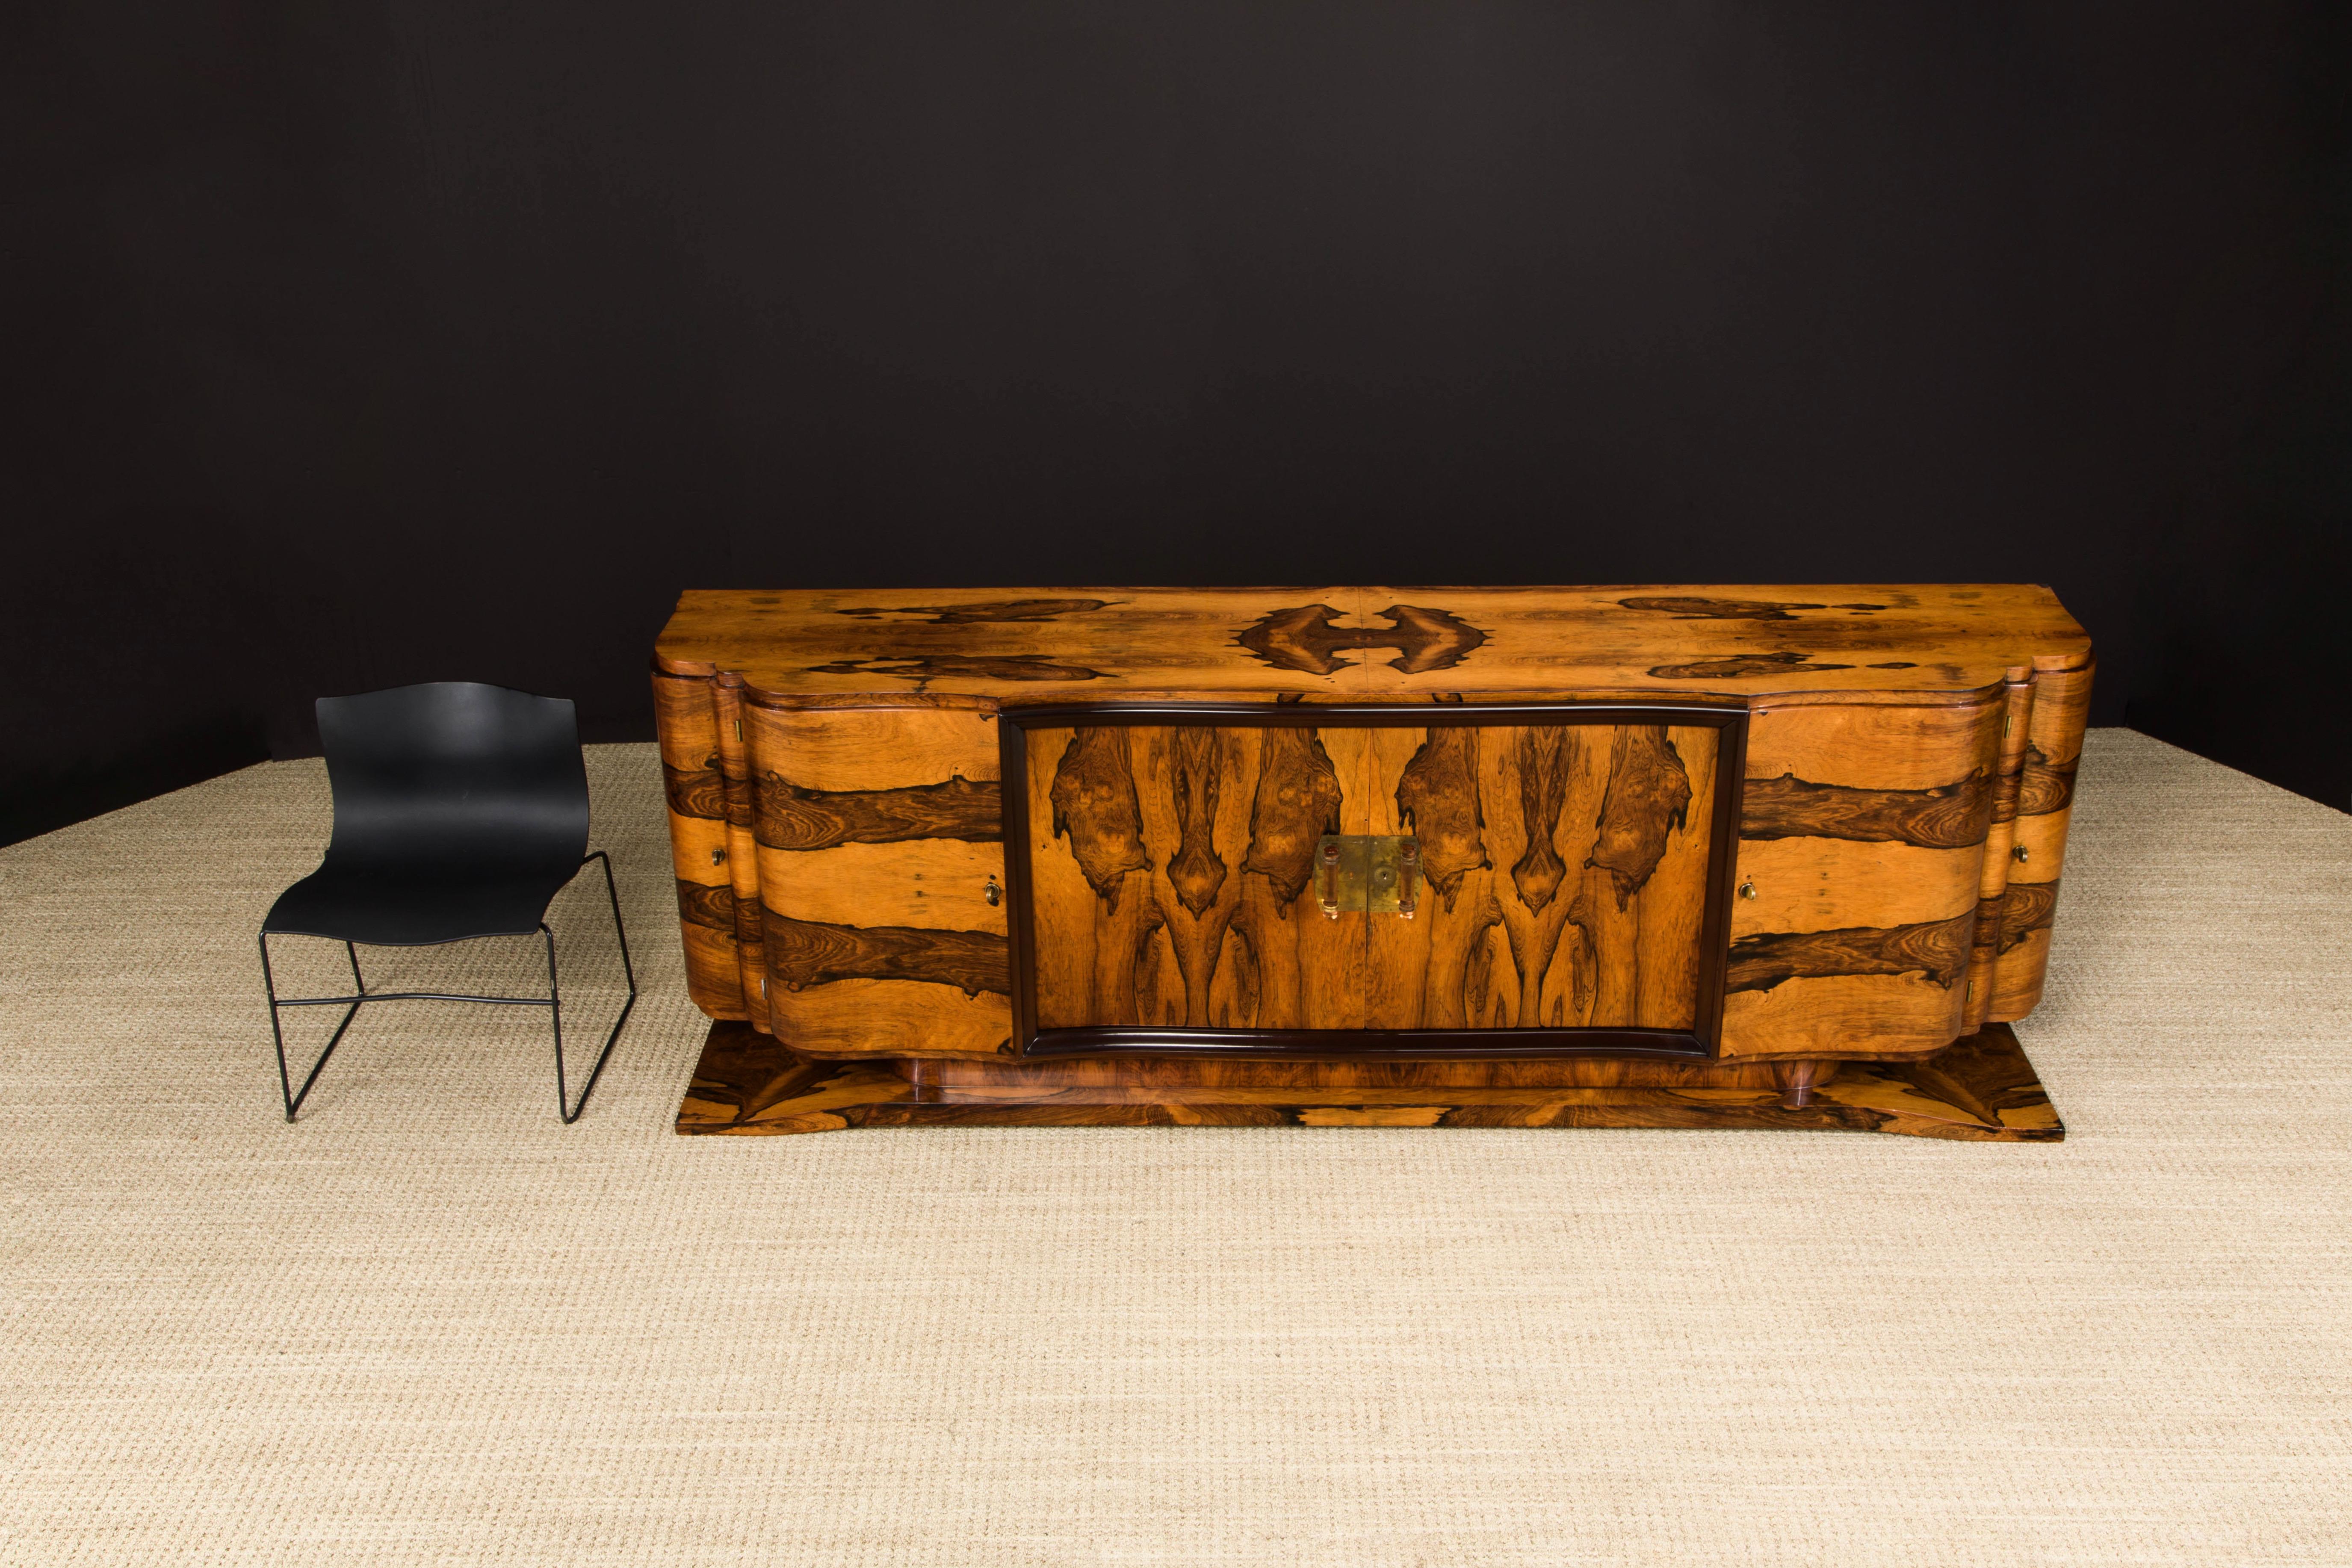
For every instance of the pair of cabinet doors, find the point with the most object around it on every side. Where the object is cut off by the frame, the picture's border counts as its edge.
(1543, 869)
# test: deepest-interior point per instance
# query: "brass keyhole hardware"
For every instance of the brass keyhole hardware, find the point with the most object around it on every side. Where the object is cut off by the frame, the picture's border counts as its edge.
(719, 857)
(992, 893)
(1747, 889)
(1370, 874)
(2022, 854)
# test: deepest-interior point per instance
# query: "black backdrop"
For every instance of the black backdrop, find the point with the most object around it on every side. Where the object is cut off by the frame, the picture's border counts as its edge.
(365, 343)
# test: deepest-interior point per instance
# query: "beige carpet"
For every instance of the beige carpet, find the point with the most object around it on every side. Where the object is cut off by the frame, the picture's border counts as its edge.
(431, 1325)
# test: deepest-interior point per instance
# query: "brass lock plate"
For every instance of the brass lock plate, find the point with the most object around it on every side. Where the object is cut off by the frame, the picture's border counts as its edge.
(1367, 873)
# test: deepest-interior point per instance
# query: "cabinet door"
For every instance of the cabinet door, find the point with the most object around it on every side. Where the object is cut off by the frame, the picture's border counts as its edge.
(1568, 871)
(1862, 859)
(1170, 879)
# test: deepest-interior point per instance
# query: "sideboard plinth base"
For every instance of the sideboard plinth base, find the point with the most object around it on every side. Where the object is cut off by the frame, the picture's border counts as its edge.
(1980, 1088)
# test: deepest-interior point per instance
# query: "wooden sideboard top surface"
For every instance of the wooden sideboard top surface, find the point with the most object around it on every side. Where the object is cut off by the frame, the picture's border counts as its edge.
(983, 647)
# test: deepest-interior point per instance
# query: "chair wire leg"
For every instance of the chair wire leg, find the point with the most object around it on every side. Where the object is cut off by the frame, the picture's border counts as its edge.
(571, 1112)
(555, 1018)
(294, 1097)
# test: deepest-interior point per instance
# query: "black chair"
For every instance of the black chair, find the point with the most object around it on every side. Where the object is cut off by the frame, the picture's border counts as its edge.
(461, 810)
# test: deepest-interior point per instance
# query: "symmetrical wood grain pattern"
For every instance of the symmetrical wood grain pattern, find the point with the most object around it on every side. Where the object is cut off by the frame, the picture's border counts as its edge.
(831, 772)
(1568, 867)
(1304, 638)
(1169, 870)
(1980, 1089)
(1849, 643)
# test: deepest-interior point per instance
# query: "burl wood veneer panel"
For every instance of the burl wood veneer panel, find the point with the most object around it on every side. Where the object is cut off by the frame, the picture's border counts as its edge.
(1567, 875)
(1171, 877)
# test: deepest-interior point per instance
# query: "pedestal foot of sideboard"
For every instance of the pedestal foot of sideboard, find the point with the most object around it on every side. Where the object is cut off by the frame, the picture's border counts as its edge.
(1980, 1088)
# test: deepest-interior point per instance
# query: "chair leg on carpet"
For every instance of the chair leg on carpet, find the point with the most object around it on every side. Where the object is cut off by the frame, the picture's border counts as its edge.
(294, 1097)
(563, 1103)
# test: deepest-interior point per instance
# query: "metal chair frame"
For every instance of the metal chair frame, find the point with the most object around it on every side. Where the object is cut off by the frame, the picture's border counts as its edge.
(552, 1002)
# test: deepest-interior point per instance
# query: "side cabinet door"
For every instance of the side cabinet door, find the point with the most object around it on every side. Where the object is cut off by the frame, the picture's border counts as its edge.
(1170, 879)
(880, 877)
(1862, 850)
(1568, 870)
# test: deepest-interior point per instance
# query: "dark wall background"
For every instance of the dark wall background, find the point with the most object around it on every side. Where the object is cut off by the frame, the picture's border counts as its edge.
(360, 344)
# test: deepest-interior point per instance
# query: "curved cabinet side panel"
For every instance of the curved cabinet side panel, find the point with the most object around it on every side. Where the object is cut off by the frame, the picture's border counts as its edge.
(2045, 799)
(686, 722)
(742, 851)
(1984, 945)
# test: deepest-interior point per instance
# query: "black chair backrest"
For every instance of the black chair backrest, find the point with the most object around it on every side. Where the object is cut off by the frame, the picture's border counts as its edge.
(453, 778)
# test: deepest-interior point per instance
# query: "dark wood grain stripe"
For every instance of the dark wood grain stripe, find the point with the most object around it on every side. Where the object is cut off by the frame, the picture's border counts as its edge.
(1937, 948)
(813, 952)
(1737, 664)
(1949, 817)
(2004, 796)
(1437, 798)
(702, 792)
(1649, 796)
(979, 615)
(1095, 806)
(1987, 929)
(1688, 609)
(1303, 639)
(2047, 787)
(1299, 800)
(956, 666)
(2026, 907)
(710, 907)
(790, 817)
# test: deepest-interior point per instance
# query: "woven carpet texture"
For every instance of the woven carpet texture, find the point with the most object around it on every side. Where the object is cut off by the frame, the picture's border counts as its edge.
(430, 1324)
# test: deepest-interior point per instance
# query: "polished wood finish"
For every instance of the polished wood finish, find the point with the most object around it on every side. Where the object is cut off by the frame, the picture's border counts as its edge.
(2037, 856)
(1570, 868)
(1980, 1089)
(1169, 879)
(1007, 825)
(1861, 861)
(1567, 875)
(879, 834)
(1306, 785)
(1841, 643)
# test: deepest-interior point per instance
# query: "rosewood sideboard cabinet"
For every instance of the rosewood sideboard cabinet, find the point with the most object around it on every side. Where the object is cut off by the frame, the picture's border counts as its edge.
(1393, 857)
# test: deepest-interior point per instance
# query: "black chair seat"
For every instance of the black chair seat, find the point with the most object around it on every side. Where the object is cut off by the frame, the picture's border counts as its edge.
(461, 810)
(393, 908)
